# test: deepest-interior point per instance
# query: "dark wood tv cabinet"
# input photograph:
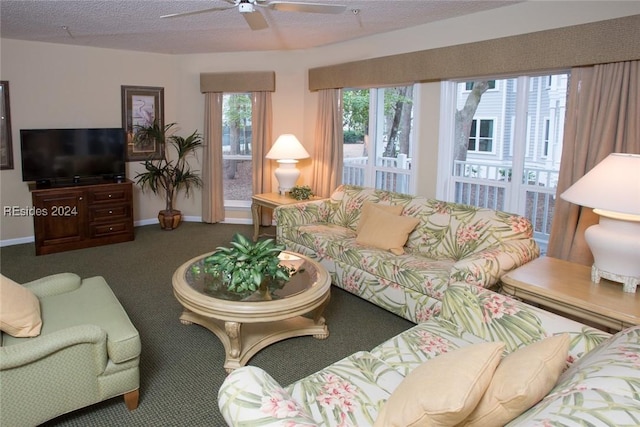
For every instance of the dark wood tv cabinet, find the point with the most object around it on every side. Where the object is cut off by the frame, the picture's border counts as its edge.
(82, 216)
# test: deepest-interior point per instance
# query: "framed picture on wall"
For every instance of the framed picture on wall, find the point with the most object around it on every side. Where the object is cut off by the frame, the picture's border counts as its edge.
(6, 143)
(141, 107)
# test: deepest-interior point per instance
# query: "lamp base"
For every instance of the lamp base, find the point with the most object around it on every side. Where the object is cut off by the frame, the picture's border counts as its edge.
(629, 283)
(287, 175)
(615, 245)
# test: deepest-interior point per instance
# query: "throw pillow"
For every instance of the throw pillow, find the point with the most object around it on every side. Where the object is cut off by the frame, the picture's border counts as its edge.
(444, 390)
(367, 207)
(386, 231)
(19, 310)
(521, 380)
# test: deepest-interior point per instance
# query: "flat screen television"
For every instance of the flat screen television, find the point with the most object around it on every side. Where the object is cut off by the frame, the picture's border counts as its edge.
(51, 156)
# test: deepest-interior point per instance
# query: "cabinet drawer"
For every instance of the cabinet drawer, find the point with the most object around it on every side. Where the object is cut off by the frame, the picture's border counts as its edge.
(110, 229)
(110, 213)
(118, 193)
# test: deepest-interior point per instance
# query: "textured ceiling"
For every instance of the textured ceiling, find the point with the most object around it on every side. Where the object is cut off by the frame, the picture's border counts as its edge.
(136, 24)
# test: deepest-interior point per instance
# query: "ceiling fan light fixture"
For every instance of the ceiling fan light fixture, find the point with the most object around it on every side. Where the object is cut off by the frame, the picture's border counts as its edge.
(246, 7)
(255, 20)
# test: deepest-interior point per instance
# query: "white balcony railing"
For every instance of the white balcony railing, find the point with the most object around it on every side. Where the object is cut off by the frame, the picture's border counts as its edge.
(391, 173)
(476, 183)
(491, 186)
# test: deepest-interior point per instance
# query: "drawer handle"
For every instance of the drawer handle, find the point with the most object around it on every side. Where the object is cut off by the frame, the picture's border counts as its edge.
(80, 198)
(109, 195)
(110, 212)
(110, 228)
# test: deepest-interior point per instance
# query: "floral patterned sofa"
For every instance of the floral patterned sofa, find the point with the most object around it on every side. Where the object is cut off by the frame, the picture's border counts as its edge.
(451, 242)
(600, 386)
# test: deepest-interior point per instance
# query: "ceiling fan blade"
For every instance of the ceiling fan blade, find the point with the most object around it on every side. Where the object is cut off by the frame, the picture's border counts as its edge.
(255, 20)
(196, 12)
(292, 6)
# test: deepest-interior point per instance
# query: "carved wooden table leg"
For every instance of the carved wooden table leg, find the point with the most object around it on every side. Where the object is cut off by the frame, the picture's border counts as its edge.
(232, 330)
(256, 214)
(318, 319)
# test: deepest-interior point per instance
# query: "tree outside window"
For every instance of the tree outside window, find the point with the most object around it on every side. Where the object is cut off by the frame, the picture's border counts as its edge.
(236, 148)
(377, 127)
(507, 145)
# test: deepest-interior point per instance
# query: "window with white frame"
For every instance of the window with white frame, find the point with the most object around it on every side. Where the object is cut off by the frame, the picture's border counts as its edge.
(545, 142)
(501, 148)
(378, 138)
(481, 136)
(236, 149)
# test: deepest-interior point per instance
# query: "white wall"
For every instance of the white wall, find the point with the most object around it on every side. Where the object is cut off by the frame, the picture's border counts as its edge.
(70, 86)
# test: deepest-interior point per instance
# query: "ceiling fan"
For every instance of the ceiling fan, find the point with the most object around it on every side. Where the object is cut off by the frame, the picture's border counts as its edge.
(248, 9)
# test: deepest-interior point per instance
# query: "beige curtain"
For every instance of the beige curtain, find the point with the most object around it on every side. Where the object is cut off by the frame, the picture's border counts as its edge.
(261, 121)
(212, 190)
(603, 112)
(327, 156)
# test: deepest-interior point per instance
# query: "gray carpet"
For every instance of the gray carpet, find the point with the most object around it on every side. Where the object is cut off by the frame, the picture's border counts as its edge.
(181, 365)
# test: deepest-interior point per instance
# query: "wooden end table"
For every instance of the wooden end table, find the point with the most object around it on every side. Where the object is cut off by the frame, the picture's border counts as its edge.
(567, 288)
(269, 201)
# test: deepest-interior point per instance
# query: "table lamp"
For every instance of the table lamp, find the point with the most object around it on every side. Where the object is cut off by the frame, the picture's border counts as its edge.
(287, 150)
(612, 189)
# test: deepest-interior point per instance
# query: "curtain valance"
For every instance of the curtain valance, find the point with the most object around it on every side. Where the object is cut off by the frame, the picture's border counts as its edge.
(613, 40)
(244, 81)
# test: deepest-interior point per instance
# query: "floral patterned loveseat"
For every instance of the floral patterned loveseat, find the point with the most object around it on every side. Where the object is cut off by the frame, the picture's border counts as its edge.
(600, 387)
(452, 242)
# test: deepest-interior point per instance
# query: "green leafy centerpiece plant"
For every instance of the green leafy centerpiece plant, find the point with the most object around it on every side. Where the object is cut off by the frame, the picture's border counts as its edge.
(301, 192)
(168, 176)
(246, 266)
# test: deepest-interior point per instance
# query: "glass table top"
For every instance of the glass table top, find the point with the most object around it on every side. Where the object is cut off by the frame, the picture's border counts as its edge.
(304, 277)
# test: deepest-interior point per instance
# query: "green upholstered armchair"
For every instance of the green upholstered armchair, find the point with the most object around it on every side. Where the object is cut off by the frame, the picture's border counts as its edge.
(87, 351)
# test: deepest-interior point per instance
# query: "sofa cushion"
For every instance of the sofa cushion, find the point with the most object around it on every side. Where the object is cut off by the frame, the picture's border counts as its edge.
(601, 388)
(443, 390)
(385, 230)
(348, 392)
(496, 317)
(19, 310)
(411, 348)
(413, 271)
(456, 231)
(521, 380)
(367, 207)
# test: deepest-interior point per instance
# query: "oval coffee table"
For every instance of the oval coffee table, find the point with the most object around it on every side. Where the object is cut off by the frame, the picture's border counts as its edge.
(247, 325)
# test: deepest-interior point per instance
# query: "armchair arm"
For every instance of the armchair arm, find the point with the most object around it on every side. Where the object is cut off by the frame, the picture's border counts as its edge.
(54, 284)
(33, 349)
(250, 396)
(486, 267)
(288, 216)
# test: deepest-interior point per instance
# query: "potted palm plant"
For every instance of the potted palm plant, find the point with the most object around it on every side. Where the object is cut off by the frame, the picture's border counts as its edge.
(168, 176)
(246, 267)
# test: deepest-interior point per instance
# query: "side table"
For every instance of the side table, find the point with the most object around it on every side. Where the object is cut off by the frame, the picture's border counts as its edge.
(567, 288)
(269, 201)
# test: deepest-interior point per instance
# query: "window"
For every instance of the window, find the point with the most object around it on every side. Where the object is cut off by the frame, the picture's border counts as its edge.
(481, 137)
(502, 147)
(236, 149)
(378, 138)
(468, 86)
(545, 142)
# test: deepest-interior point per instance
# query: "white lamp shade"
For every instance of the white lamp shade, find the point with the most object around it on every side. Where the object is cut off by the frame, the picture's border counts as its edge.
(612, 185)
(287, 150)
(612, 188)
(287, 147)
